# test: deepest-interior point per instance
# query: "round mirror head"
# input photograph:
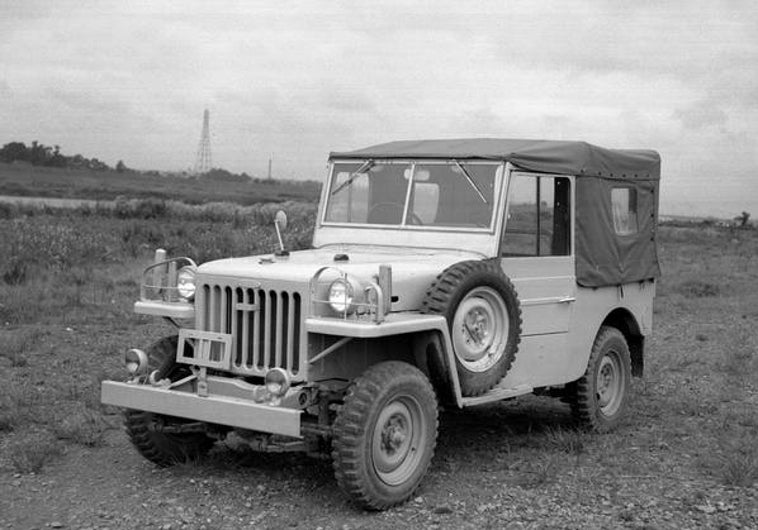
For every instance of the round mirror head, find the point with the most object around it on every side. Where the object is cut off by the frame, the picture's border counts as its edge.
(281, 220)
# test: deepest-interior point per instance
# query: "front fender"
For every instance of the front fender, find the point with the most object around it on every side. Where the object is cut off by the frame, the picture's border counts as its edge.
(394, 324)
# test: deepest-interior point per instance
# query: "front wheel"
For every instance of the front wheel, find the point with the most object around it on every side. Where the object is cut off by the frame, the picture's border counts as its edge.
(599, 398)
(164, 449)
(385, 435)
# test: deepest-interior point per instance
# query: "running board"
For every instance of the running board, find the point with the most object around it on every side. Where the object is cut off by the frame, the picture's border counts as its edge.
(497, 394)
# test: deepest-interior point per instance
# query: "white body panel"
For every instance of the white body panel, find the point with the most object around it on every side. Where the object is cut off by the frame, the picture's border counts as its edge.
(558, 358)
(413, 268)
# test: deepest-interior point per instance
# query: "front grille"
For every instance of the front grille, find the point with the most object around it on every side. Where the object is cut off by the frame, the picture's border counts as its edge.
(265, 325)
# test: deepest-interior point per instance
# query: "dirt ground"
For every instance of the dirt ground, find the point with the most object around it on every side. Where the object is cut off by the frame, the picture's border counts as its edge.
(685, 457)
(477, 481)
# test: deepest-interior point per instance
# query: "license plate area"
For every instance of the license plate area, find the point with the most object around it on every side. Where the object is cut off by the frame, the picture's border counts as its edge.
(208, 348)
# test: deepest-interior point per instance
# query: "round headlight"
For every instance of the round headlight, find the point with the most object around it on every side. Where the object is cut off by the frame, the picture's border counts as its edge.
(185, 283)
(135, 361)
(277, 382)
(341, 296)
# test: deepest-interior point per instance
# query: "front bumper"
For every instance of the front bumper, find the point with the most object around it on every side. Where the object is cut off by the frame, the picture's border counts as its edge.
(221, 410)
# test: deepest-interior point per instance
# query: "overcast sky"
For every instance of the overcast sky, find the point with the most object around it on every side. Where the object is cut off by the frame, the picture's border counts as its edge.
(130, 80)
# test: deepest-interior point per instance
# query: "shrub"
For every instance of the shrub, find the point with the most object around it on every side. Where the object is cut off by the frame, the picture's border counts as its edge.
(16, 272)
(570, 441)
(83, 426)
(7, 210)
(30, 454)
(739, 462)
(697, 289)
(17, 345)
(10, 415)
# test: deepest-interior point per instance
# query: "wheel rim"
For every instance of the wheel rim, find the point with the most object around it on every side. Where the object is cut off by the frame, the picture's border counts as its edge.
(610, 384)
(397, 442)
(480, 329)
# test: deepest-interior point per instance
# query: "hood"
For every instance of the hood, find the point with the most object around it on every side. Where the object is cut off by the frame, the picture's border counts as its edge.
(413, 269)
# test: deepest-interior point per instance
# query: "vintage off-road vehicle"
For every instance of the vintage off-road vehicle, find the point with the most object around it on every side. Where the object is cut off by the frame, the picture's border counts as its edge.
(443, 272)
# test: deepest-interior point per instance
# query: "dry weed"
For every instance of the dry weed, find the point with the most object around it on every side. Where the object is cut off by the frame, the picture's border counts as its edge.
(31, 453)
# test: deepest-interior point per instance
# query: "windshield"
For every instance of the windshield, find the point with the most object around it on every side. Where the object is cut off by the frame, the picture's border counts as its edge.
(454, 194)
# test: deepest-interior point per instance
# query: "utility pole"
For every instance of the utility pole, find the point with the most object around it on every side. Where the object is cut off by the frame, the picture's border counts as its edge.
(270, 158)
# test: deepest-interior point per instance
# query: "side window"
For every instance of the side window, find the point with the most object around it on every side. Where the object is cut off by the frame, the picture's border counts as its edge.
(624, 207)
(539, 217)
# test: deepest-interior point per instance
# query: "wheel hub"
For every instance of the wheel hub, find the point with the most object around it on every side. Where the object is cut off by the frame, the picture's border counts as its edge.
(608, 384)
(480, 329)
(399, 431)
(393, 435)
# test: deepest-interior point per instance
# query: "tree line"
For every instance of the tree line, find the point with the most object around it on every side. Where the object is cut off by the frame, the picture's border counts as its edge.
(39, 154)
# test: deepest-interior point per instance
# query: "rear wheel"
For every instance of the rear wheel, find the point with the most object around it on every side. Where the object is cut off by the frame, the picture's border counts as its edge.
(599, 399)
(385, 435)
(163, 448)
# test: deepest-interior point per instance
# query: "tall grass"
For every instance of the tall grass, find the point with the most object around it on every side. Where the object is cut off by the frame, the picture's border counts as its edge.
(68, 279)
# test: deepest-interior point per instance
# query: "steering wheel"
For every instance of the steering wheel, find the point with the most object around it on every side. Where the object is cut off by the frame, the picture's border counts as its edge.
(390, 210)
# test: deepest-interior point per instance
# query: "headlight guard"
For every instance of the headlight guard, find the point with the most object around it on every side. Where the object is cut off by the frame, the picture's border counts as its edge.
(185, 282)
(335, 293)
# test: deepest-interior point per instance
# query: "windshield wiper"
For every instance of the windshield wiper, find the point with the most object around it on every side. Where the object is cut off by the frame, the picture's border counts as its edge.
(471, 181)
(368, 164)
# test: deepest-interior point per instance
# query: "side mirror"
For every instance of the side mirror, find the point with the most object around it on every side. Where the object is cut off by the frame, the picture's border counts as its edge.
(280, 224)
(280, 219)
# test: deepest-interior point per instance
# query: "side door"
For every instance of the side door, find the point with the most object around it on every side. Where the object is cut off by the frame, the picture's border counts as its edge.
(536, 252)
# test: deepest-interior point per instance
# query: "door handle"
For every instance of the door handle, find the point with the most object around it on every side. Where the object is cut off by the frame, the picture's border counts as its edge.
(567, 300)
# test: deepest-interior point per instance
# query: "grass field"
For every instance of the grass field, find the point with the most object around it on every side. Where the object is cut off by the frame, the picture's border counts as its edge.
(37, 181)
(68, 280)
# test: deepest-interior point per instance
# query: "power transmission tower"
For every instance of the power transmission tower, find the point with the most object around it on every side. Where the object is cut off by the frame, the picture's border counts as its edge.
(203, 162)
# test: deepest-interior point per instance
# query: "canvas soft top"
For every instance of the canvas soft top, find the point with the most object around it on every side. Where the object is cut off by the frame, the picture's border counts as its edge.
(603, 256)
(545, 156)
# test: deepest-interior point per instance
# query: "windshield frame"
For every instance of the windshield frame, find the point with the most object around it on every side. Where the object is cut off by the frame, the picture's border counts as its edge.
(413, 163)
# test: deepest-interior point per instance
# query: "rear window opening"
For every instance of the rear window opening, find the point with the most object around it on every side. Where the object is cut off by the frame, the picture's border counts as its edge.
(624, 208)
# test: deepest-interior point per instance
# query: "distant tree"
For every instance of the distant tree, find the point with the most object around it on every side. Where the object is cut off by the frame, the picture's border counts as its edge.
(121, 167)
(13, 151)
(222, 174)
(58, 160)
(97, 165)
(742, 219)
(42, 155)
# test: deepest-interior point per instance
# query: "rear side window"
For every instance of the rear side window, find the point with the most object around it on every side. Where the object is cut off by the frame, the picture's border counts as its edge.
(624, 206)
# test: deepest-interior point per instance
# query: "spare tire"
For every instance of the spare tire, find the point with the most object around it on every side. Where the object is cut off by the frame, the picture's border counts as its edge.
(484, 317)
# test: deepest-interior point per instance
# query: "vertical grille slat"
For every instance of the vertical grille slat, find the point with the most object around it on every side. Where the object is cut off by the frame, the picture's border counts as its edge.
(295, 325)
(290, 330)
(237, 316)
(215, 308)
(247, 298)
(202, 307)
(280, 323)
(265, 327)
(223, 309)
(264, 324)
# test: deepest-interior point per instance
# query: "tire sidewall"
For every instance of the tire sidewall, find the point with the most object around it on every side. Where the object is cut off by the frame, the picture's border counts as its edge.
(428, 408)
(358, 419)
(485, 277)
(613, 342)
